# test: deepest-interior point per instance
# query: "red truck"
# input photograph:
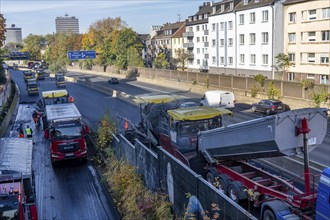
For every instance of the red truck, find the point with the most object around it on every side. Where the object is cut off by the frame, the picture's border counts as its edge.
(66, 131)
(17, 193)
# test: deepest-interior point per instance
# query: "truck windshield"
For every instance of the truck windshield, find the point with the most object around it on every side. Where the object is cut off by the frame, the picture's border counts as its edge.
(33, 85)
(60, 79)
(9, 208)
(193, 127)
(66, 132)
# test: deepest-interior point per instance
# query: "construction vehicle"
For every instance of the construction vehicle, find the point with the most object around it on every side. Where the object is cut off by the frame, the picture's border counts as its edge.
(226, 151)
(290, 133)
(52, 97)
(60, 80)
(40, 74)
(32, 86)
(17, 193)
(64, 126)
(27, 75)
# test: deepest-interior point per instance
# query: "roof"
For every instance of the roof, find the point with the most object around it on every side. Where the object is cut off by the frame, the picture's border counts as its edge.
(65, 111)
(197, 113)
(16, 155)
(206, 8)
(179, 32)
(55, 93)
(226, 4)
(289, 2)
(155, 99)
(171, 26)
(253, 4)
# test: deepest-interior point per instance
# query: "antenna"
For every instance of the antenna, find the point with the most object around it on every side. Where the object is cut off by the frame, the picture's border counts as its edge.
(179, 16)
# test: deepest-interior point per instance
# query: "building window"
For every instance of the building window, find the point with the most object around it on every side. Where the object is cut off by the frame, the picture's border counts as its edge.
(324, 59)
(197, 28)
(253, 38)
(290, 76)
(241, 19)
(198, 39)
(222, 26)
(312, 14)
(264, 37)
(222, 42)
(241, 59)
(222, 60)
(252, 59)
(265, 59)
(325, 35)
(241, 39)
(198, 61)
(310, 76)
(311, 36)
(230, 42)
(311, 57)
(174, 41)
(292, 37)
(325, 12)
(213, 43)
(324, 79)
(213, 60)
(292, 17)
(252, 18)
(190, 29)
(230, 60)
(264, 16)
(198, 50)
(213, 27)
(292, 57)
(230, 25)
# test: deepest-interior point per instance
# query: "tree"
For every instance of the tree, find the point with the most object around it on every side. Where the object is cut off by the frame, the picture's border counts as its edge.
(2, 30)
(182, 57)
(134, 58)
(33, 44)
(160, 61)
(282, 63)
(273, 91)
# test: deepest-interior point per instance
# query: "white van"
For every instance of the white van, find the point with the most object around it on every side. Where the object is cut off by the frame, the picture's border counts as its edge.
(218, 98)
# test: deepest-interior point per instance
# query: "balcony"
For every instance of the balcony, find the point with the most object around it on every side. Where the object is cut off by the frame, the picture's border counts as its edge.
(206, 56)
(206, 32)
(188, 45)
(189, 34)
(206, 44)
(191, 56)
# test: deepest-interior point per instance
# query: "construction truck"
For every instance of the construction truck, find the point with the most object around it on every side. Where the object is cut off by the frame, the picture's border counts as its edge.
(60, 80)
(17, 190)
(225, 151)
(32, 86)
(59, 96)
(64, 126)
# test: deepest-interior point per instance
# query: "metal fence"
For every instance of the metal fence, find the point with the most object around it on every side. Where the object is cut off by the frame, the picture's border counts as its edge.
(189, 193)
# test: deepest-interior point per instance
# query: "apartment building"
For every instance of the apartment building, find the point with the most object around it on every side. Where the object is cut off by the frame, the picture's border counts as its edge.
(222, 34)
(67, 24)
(177, 40)
(150, 45)
(307, 39)
(196, 38)
(13, 35)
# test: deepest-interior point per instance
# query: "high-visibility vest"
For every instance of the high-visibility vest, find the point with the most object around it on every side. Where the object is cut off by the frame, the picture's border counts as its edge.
(28, 131)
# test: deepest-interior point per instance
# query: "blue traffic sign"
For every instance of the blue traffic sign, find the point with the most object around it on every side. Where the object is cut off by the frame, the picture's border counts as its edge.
(81, 54)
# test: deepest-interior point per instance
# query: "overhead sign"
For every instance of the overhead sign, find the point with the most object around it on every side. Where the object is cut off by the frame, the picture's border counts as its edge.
(81, 54)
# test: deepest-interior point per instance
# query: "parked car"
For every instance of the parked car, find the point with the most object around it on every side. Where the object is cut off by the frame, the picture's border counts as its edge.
(269, 106)
(188, 105)
(30, 65)
(113, 80)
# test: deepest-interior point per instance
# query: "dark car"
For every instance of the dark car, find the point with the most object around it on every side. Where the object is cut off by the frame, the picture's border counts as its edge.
(269, 106)
(113, 80)
(30, 65)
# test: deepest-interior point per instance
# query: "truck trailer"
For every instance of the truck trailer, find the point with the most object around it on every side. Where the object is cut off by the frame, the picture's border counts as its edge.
(64, 126)
(17, 190)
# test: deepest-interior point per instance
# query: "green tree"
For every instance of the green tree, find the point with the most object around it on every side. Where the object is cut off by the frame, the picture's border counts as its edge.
(261, 79)
(134, 58)
(34, 44)
(273, 92)
(2, 30)
(160, 61)
(282, 64)
(182, 57)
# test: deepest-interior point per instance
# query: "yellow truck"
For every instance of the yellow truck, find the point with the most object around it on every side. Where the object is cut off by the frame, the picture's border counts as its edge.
(32, 86)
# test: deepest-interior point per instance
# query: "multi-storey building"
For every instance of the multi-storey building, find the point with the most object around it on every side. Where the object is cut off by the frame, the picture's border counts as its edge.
(177, 40)
(13, 35)
(150, 45)
(196, 38)
(67, 24)
(163, 38)
(307, 39)
(222, 36)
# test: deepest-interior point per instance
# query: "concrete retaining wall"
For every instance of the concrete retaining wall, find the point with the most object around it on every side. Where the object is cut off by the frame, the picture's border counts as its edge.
(11, 110)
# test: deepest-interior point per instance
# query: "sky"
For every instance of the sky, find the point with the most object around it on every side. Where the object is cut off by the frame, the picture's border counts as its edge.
(38, 17)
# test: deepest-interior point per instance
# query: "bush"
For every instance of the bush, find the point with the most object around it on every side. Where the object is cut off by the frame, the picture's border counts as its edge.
(132, 74)
(273, 92)
(254, 91)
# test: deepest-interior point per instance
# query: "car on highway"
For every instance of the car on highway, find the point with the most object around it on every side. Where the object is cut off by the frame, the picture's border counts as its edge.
(188, 105)
(269, 106)
(113, 80)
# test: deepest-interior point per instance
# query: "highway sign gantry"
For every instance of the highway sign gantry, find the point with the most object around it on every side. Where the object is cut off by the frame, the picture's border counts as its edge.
(81, 54)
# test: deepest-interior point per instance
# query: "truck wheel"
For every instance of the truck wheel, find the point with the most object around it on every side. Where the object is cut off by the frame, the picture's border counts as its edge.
(215, 180)
(234, 191)
(268, 215)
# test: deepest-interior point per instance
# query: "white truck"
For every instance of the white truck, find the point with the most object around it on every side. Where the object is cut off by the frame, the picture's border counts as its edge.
(219, 98)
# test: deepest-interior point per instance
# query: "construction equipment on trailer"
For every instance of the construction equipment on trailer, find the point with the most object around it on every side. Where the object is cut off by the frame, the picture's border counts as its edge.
(64, 126)
(284, 134)
(17, 192)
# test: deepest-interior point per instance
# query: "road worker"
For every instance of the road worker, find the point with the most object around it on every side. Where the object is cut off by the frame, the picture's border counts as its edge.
(20, 130)
(28, 132)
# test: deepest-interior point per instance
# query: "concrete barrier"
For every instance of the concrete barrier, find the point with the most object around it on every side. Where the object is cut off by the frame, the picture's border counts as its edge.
(5, 123)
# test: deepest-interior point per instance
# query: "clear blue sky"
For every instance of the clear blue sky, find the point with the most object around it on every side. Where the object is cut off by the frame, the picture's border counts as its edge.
(38, 17)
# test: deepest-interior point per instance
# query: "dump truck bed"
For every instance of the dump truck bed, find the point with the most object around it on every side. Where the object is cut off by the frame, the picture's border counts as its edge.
(269, 136)
(62, 112)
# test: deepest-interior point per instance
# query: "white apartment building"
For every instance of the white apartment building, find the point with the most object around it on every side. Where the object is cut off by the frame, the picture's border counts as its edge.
(197, 39)
(222, 59)
(307, 39)
(13, 35)
(67, 24)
